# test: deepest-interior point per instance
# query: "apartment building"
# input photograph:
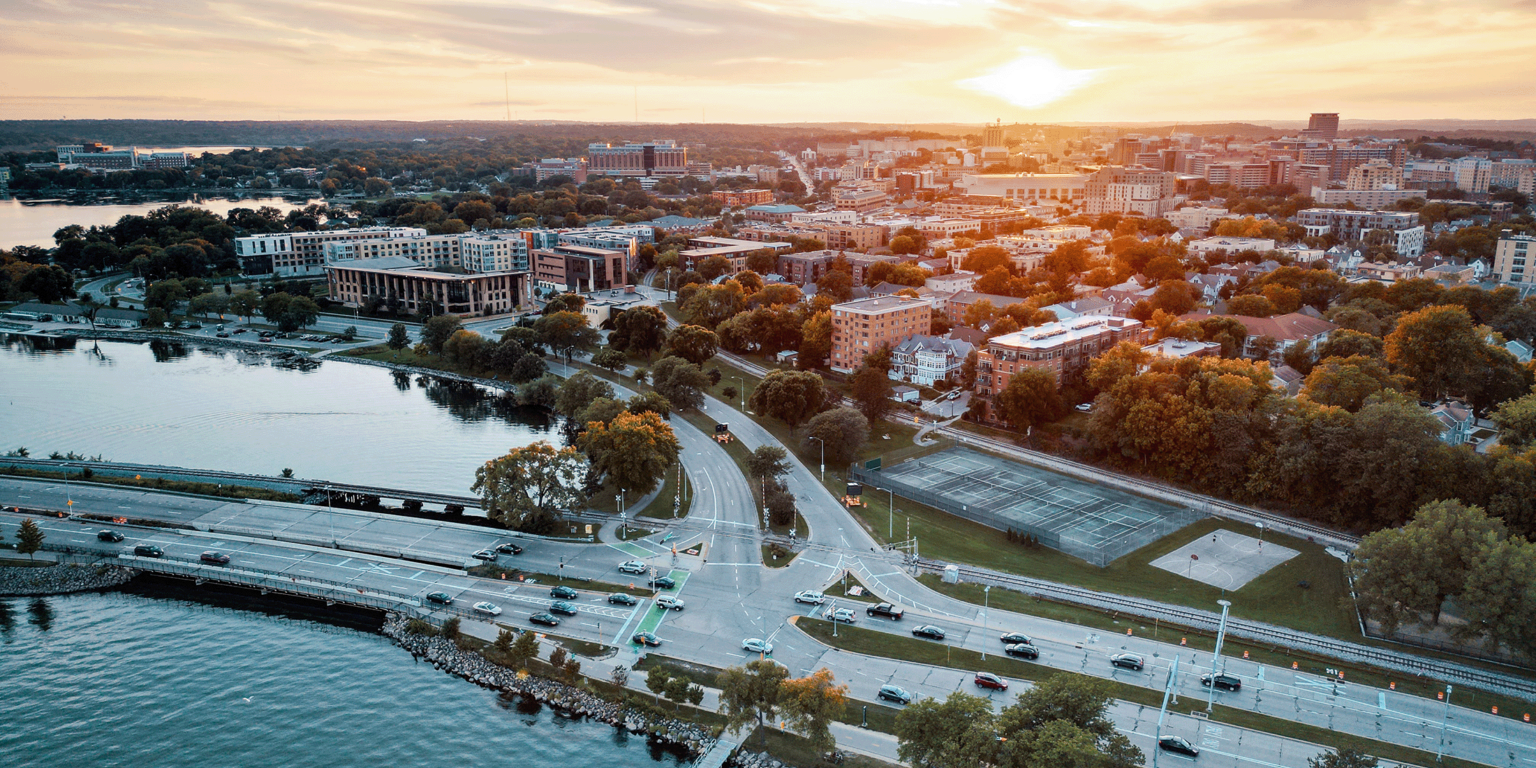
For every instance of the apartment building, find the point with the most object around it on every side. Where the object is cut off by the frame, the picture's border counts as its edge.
(1140, 191)
(1519, 175)
(650, 158)
(417, 289)
(1062, 348)
(579, 269)
(1021, 188)
(1376, 174)
(1352, 226)
(863, 326)
(730, 198)
(859, 198)
(1510, 260)
(302, 254)
(1365, 199)
(1472, 174)
(733, 250)
(1240, 175)
(772, 213)
(805, 268)
(1197, 218)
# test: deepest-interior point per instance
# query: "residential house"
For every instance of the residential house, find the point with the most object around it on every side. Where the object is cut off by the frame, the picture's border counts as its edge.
(1456, 422)
(928, 359)
(1287, 330)
(1090, 306)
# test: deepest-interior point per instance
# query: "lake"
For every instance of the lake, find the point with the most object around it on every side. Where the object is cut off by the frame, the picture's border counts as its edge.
(33, 222)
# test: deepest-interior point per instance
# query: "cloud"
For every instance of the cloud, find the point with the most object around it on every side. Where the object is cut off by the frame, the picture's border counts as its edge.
(1030, 81)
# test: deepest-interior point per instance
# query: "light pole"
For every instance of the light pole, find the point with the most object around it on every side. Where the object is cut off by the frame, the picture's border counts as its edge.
(1440, 752)
(1173, 672)
(986, 599)
(742, 392)
(1221, 634)
(330, 516)
(823, 456)
(890, 515)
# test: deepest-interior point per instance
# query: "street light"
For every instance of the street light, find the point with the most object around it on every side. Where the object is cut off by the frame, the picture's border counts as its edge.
(1162, 713)
(1221, 634)
(742, 392)
(823, 456)
(986, 599)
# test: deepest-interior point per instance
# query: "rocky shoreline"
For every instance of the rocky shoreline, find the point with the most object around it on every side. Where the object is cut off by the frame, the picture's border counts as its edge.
(471, 666)
(61, 579)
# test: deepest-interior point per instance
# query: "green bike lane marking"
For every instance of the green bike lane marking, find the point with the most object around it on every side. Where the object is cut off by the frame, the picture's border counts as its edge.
(654, 615)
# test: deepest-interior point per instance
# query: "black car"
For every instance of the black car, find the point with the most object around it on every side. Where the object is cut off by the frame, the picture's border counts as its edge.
(1223, 682)
(148, 550)
(440, 598)
(893, 693)
(1179, 745)
(112, 536)
(509, 549)
(563, 608)
(929, 631)
(563, 593)
(663, 582)
(646, 638)
(1128, 660)
(888, 610)
(217, 558)
(1014, 638)
(545, 619)
(620, 598)
(1022, 651)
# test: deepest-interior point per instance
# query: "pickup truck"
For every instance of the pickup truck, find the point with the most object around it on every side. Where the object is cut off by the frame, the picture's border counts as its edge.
(886, 609)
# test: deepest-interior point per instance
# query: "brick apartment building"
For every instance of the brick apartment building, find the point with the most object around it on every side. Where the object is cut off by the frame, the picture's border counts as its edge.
(863, 326)
(1063, 348)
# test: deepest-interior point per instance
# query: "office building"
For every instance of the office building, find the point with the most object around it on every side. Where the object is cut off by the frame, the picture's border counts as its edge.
(1322, 125)
(859, 198)
(731, 198)
(579, 269)
(732, 250)
(302, 254)
(1511, 263)
(421, 290)
(1024, 188)
(864, 326)
(772, 213)
(650, 158)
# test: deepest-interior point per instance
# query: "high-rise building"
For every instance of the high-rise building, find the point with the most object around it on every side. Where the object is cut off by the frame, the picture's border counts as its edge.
(1472, 174)
(1323, 125)
(1376, 174)
(864, 326)
(650, 158)
(1509, 259)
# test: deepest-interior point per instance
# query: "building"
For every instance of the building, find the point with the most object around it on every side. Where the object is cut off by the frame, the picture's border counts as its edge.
(1472, 174)
(956, 305)
(825, 217)
(1286, 330)
(417, 289)
(1062, 347)
(1510, 260)
(1240, 175)
(805, 268)
(651, 158)
(1231, 245)
(1179, 348)
(865, 325)
(302, 254)
(1322, 125)
(854, 237)
(1376, 174)
(1088, 306)
(5, 175)
(1141, 191)
(859, 198)
(731, 198)
(1022, 188)
(938, 229)
(953, 282)
(1365, 199)
(733, 250)
(579, 269)
(861, 263)
(1351, 226)
(927, 360)
(1519, 175)
(772, 213)
(1196, 218)
(601, 306)
(573, 167)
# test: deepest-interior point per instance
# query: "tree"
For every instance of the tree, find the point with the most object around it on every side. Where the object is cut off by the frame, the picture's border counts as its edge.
(768, 461)
(842, 433)
(751, 694)
(1264, 347)
(639, 331)
(601, 410)
(836, 285)
(1403, 574)
(816, 340)
(580, 390)
(1030, 399)
(531, 483)
(1497, 601)
(565, 332)
(872, 391)
(49, 284)
(1517, 422)
(298, 312)
(1347, 343)
(168, 294)
(244, 304)
(779, 501)
(712, 305)
(209, 303)
(437, 330)
(29, 538)
(986, 258)
(680, 382)
(565, 302)
(656, 680)
(789, 396)
(633, 451)
(610, 358)
(650, 402)
(1251, 305)
(398, 337)
(968, 370)
(693, 343)
(1344, 758)
(811, 704)
(526, 649)
(953, 733)
(1347, 382)
(1065, 710)
(903, 245)
(1439, 349)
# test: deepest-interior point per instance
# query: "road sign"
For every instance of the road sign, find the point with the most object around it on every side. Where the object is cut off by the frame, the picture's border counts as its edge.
(872, 463)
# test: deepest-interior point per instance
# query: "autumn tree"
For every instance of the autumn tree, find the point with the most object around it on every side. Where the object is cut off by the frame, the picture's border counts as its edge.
(789, 396)
(1438, 348)
(1030, 399)
(633, 451)
(811, 704)
(836, 285)
(751, 694)
(530, 483)
(1348, 381)
(816, 340)
(984, 259)
(579, 390)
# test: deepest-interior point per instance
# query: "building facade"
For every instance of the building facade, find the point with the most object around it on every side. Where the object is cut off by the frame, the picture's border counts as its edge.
(1511, 263)
(579, 269)
(416, 289)
(1063, 348)
(302, 254)
(864, 326)
(650, 158)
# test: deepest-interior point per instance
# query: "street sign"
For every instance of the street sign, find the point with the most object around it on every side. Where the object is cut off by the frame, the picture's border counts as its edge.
(872, 463)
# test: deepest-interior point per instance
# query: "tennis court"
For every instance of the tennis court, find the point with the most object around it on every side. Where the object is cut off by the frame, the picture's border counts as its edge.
(1093, 522)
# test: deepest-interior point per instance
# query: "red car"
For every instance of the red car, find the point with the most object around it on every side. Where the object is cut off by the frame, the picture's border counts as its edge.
(989, 680)
(217, 558)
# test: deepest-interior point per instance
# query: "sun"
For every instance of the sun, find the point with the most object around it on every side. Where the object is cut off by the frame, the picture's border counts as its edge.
(1032, 80)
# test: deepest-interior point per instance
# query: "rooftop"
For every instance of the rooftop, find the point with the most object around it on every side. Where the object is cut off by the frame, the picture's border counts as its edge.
(878, 304)
(1066, 331)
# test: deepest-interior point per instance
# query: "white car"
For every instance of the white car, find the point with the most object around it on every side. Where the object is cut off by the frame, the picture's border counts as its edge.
(810, 596)
(489, 609)
(842, 614)
(756, 645)
(669, 603)
(634, 566)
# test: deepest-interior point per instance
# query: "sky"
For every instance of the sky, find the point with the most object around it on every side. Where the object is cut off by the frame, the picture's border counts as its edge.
(768, 61)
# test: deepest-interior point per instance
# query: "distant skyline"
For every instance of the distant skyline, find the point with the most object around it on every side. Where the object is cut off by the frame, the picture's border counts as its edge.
(768, 61)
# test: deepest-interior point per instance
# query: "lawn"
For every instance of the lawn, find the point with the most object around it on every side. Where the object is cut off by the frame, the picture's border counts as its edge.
(792, 749)
(775, 556)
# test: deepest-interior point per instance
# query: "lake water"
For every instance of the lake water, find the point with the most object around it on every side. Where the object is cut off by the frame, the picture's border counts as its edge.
(33, 222)
(149, 677)
(172, 404)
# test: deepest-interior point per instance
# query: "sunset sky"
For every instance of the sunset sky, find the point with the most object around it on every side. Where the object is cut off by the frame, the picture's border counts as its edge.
(768, 60)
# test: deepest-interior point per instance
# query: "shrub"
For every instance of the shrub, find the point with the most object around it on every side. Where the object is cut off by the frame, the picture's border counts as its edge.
(420, 627)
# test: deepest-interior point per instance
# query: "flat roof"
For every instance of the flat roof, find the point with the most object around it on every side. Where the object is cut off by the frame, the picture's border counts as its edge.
(1066, 331)
(880, 304)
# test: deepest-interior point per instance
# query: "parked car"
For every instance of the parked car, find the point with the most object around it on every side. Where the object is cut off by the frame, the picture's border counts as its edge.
(1128, 661)
(265, 339)
(195, 326)
(546, 619)
(563, 608)
(843, 615)
(646, 638)
(239, 331)
(222, 334)
(508, 548)
(563, 593)
(1013, 638)
(217, 558)
(148, 550)
(633, 566)
(486, 555)
(621, 598)
(756, 645)
(990, 681)
(669, 603)
(663, 582)
(929, 631)
(1084, 407)
(1022, 651)
(1179, 745)
(888, 610)
(489, 609)
(112, 536)
(1223, 682)
(893, 693)
(440, 598)
(810, 596)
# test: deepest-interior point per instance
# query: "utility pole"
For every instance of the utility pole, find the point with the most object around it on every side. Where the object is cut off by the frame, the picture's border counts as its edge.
(986, 600)
(1221, 635)
(890, 515)
(1440, 752)
(823, 455)
(1173, 673)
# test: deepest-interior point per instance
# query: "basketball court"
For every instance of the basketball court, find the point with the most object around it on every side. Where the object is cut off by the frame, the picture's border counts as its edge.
(1224, 559)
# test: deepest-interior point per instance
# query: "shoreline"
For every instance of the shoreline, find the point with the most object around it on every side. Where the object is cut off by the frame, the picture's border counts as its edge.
(61, 579)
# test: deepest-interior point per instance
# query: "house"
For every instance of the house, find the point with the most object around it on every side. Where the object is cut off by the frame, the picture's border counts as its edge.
(1456, 422)
(1521, 350)
(1389, 272)
(1451, 274)
(1180, 348)
(1287, 330)
(928, 359)
(1287, 378)
(1093, 305)
(962, 300)
(1210, 286)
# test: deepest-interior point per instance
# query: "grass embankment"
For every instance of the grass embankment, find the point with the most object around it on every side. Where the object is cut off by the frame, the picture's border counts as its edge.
(892, 646)
(792, 749)
(222, 490)
(493, 571)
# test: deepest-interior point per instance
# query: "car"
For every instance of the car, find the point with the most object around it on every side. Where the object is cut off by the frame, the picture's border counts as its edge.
(486, 555)
(1179, 745)
(929, 631)
(440, 598)
(1022, 650)
(663, 582)
(991, 681)
(563, 608)
(222, 334)
(1223, 682)
(810, 596)
(843, 615)
(265, 339)
(239, 331)
(620, 598)
(955, 395)
(1128, 661)
(756, 645)
(633, 566)
(195, 326)
(148, 550)
(217, 558)
(546, 619)
(508, 548)
(888, 610)
(563, 593)
(112, 536)
(489, 609)
(669, 603)
(893, 693)
(1083, 407)
(645, 638)
(1015, 638)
